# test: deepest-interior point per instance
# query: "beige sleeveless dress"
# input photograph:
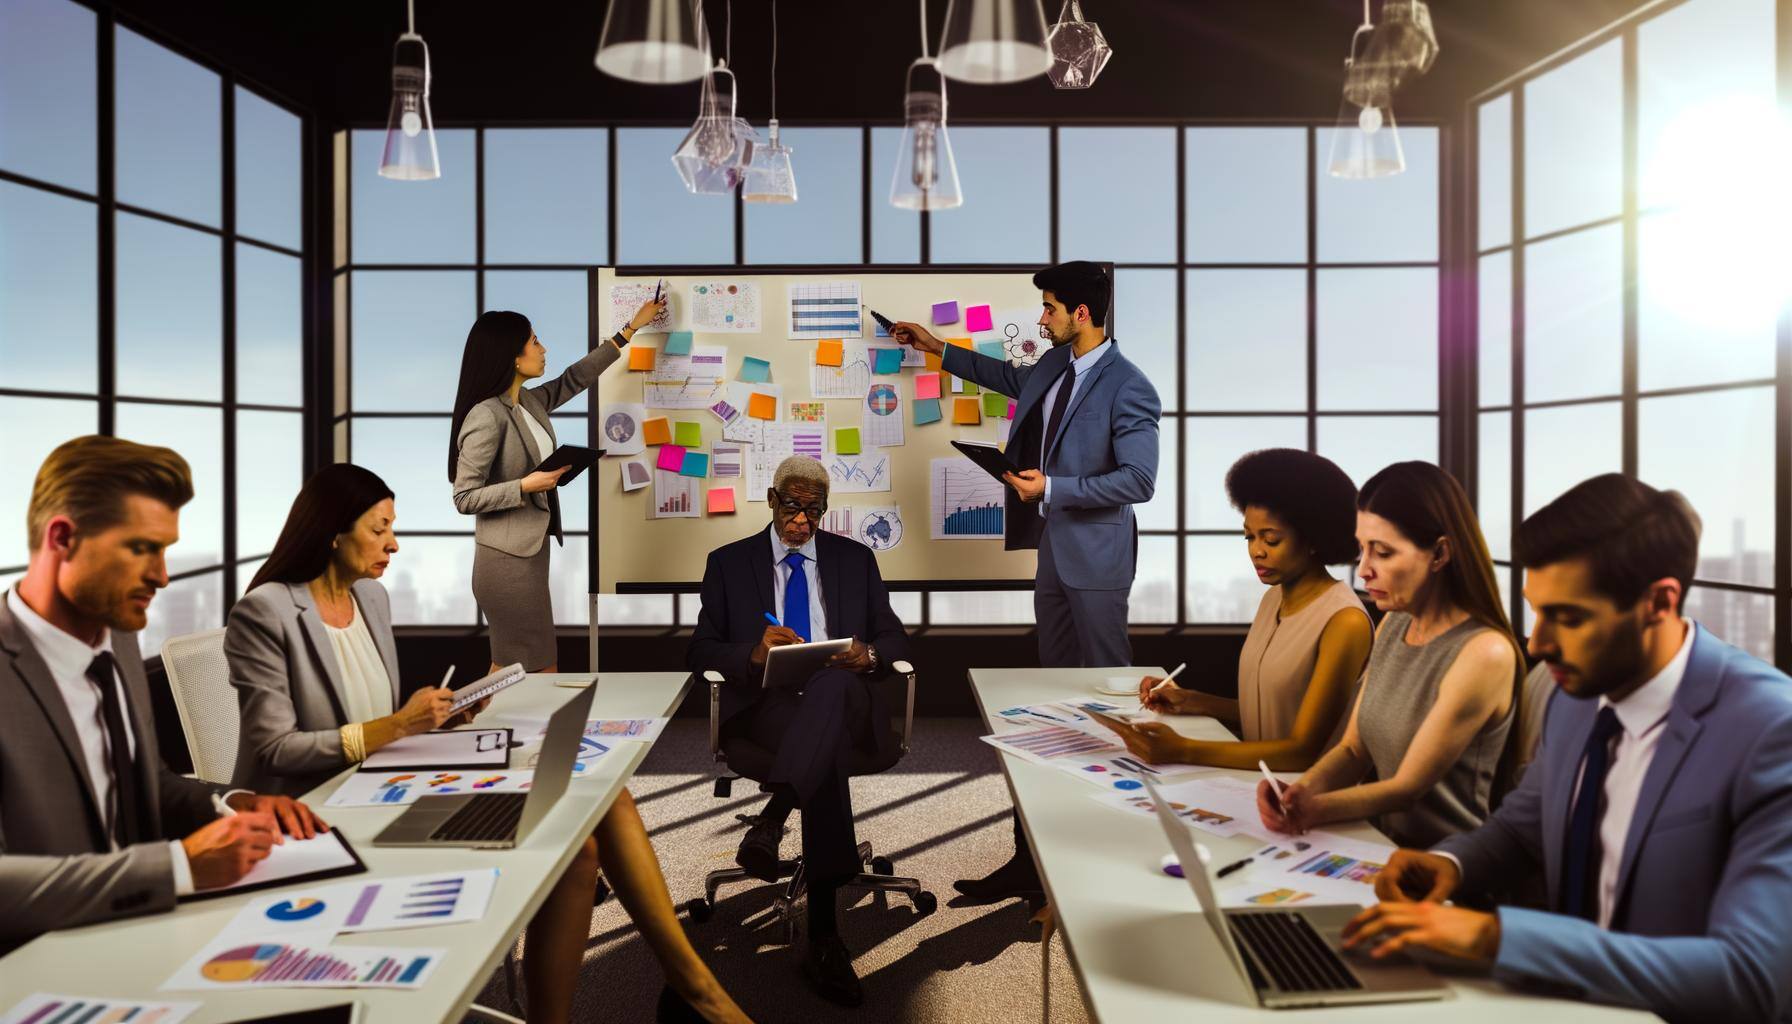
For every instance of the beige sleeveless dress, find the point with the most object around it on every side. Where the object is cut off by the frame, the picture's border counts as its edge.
(1277, 662)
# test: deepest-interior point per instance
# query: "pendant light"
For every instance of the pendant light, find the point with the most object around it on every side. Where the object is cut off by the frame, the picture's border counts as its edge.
(714, 154)
(926, 176)
(410, 153)
(990, 42)
(1079, 49)
(655, 42)
(769, 176)
(1365, 140)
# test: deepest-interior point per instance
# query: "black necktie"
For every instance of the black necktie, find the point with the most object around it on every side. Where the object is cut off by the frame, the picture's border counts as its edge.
(1580, 864)
(125, 816)
(1055, 419)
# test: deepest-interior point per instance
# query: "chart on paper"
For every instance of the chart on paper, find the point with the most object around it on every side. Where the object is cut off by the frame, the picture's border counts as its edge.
(966, 502)
(857, 473)
(825, 309)
(848, 380)
(696, 381)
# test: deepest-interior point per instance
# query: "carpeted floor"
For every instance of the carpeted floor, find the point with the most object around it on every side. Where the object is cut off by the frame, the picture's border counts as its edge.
(940, 814)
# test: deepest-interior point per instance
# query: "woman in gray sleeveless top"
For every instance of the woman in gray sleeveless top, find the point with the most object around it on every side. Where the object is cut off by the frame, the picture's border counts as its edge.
(1425, 748)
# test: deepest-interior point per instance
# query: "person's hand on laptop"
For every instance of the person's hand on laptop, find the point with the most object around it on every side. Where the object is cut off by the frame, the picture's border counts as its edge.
(294, 818)
(1291, 814)
(226, 849)
(855, 659)
(774, 636)
(1413, 875)
(1388, 928)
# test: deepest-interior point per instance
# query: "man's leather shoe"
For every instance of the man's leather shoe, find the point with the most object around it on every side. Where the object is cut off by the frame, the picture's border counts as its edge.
(1018, 877)
(827, 967)
(758, 853)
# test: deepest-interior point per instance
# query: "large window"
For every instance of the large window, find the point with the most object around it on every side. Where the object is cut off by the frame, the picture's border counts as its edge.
(1630, 289)
(155, 293)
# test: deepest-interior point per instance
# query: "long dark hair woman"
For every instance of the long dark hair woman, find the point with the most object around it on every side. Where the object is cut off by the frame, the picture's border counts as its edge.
(1444, 683)
(500, 432)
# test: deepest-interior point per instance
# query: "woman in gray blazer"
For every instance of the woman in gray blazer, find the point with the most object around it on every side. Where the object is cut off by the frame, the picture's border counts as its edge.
(315, 665)
(501, 430)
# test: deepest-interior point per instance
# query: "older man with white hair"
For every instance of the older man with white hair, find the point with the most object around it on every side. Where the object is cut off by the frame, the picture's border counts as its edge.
(814, 586)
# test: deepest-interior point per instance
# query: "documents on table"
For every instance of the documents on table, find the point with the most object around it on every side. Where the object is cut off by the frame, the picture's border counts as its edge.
(372, 789)
(412, 901)
(1220, 805)
(1100, 761)
(325, 855)
(45, 1008)
(451, 748)
(302, 961)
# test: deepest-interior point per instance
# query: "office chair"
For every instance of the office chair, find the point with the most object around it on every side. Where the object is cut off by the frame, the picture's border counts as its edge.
(747, 760)
(199, 677)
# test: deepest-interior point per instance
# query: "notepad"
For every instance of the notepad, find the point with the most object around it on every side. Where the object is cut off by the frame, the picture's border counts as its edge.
(486, 686)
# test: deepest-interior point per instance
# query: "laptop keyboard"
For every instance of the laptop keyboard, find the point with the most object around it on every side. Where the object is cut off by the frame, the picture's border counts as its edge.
(1288, 947)
(488, 816)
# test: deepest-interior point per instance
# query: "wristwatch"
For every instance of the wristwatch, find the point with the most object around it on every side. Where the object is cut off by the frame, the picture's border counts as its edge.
(619, 339)
(871, 652)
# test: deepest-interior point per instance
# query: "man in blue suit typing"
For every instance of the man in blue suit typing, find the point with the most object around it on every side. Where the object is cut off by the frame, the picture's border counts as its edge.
(1659, 805)
(1085, 439)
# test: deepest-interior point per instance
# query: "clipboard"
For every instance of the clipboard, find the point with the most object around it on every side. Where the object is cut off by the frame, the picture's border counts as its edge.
(267, 874)
(578, 457)
(791, 665)
(988, 458)
(443, 748)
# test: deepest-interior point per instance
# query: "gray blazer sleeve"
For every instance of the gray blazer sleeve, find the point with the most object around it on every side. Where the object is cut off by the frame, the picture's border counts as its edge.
(256, 652)
(579, 376)
(479, 438)
(41, 893)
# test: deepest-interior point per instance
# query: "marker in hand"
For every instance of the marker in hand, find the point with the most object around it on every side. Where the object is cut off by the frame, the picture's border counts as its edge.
(773, 619)
(1275, 784)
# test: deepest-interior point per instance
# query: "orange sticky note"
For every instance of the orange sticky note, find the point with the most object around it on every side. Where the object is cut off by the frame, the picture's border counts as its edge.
(830, 352)
(640, 357)
(932, 361)
(966, 411)
(960, 342)
(721, 499)
(761, 406)
(657, 430)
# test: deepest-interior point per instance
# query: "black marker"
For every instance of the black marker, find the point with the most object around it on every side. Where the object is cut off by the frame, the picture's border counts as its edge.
(1234, 866)
(882, 321)
(656, 288)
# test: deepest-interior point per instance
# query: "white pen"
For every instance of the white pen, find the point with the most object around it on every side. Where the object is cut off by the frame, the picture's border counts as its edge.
(1166, 680)
(446, 676)
(1275, 784)
(224, 810)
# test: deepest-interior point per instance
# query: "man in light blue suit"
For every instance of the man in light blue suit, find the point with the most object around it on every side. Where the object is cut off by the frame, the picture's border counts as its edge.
(1659, 806)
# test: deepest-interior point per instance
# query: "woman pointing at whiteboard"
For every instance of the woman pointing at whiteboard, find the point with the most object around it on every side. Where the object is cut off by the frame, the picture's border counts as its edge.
(501, 431)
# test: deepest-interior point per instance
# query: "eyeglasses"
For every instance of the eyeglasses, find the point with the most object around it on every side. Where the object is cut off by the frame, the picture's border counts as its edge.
(810, 512)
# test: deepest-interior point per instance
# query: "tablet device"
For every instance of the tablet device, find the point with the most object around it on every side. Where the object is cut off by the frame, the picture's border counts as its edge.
(793, 664)
(578, 457)
(988, 457)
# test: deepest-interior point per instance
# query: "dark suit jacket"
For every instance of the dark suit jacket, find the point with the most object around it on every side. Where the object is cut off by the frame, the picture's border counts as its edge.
(737, 592)
(57, 868)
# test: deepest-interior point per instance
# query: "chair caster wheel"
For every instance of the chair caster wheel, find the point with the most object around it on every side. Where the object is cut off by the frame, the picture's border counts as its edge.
(882, 866)
(699, 909)
(925, 903)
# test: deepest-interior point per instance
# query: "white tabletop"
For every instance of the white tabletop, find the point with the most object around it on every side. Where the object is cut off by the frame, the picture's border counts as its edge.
(1135, 935)
(132, 958)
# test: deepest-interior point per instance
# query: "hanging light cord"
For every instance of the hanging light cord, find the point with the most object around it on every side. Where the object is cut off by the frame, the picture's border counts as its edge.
(1367, 21)
(924, 53)
(410, 7)
(728, 37)
(774, 60)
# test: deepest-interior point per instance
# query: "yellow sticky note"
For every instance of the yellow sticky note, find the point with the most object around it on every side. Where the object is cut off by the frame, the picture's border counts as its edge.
(688, 433)
(762, 406)
(640, 357)
(966, 411)
(830, 352)
(657, 430)
(846, 441)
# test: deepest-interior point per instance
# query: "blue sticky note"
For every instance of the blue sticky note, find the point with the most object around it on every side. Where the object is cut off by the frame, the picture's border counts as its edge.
(695, 464)
(889, 360)
(927, 410)
(754, 370)
(992, 349)
(678, 343)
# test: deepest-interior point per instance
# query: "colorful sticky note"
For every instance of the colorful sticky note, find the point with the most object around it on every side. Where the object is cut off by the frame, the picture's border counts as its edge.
(656, 431)
(721, 499)
(927, 385)
(688, 433)
(754, 370)
(993, 349)
(927, 410)
(994, 404)
(976, 318)
(959, 342)
(967, 388)
(671, 458)
(1010, 413)
(695, 464)
(846, 441)
(931, 361)
(762, 406)
(640, 357)
(678, 343)
(889, 360)
(945, 312)
(964, 411)
(830, 352)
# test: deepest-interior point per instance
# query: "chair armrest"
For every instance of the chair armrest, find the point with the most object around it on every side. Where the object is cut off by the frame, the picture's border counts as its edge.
(907, 671)
(715, 680)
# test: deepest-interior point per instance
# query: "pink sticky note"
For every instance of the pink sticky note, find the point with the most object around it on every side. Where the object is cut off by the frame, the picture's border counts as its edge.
(721, 499)
(945, 312)
(976, 318)
(671, 458)
(1010, 410)
(927, 385)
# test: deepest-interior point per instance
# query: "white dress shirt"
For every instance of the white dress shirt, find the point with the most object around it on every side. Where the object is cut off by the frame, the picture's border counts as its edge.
(367, 689)
(67, 658)
(818, 619)
(543, 443)
(1083, 363)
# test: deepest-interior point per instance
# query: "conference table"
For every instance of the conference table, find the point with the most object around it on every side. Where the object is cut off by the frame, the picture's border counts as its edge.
(133, 957)
(1136, 938)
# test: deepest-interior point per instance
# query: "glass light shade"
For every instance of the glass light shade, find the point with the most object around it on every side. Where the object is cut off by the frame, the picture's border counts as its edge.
(1366, 142)
(410, 153)
(926, 176)
(1404, 42)
(657, 42)
(993, 41)
(1079, 49)
(769, 177)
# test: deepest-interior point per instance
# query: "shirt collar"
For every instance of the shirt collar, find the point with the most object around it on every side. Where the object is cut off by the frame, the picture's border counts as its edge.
(1649, 703)
(64, 654)
(781, 550)
(1086, 362)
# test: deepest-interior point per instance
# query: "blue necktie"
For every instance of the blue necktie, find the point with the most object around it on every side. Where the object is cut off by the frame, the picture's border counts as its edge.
(1580, 864)
(796, 596)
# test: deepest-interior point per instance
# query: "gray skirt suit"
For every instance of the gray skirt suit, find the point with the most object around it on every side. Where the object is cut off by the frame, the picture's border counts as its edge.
(510, 528)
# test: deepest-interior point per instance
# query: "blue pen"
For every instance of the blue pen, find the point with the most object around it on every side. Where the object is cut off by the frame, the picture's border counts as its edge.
(773, 619)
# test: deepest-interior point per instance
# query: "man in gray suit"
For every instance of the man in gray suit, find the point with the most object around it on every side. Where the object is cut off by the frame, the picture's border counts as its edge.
(91, 821)
(1085, 439)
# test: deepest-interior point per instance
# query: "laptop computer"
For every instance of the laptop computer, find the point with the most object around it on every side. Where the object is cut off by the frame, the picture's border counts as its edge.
(1291, 957)
(498, 821)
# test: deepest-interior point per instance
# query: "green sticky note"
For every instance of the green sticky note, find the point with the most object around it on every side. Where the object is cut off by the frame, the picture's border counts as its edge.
(688, 434)
(889, 360)
(678, 343)
(992, 349)
(754, 370)
(846, 441)
(927, 410)
(969, 388)
(994, 404)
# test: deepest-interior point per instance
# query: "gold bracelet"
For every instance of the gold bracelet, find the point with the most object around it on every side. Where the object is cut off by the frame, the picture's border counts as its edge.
(354, 743)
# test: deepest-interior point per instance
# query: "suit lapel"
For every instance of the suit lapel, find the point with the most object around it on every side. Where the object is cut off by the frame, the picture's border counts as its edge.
(517, 412)
(1082, 393)
(1561, 794)
(136, 688)
(321, 651)
(29, 666)
(759, 565)
(1044, 372)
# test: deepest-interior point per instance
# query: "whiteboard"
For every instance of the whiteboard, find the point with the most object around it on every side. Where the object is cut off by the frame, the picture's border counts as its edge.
(635, 548)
